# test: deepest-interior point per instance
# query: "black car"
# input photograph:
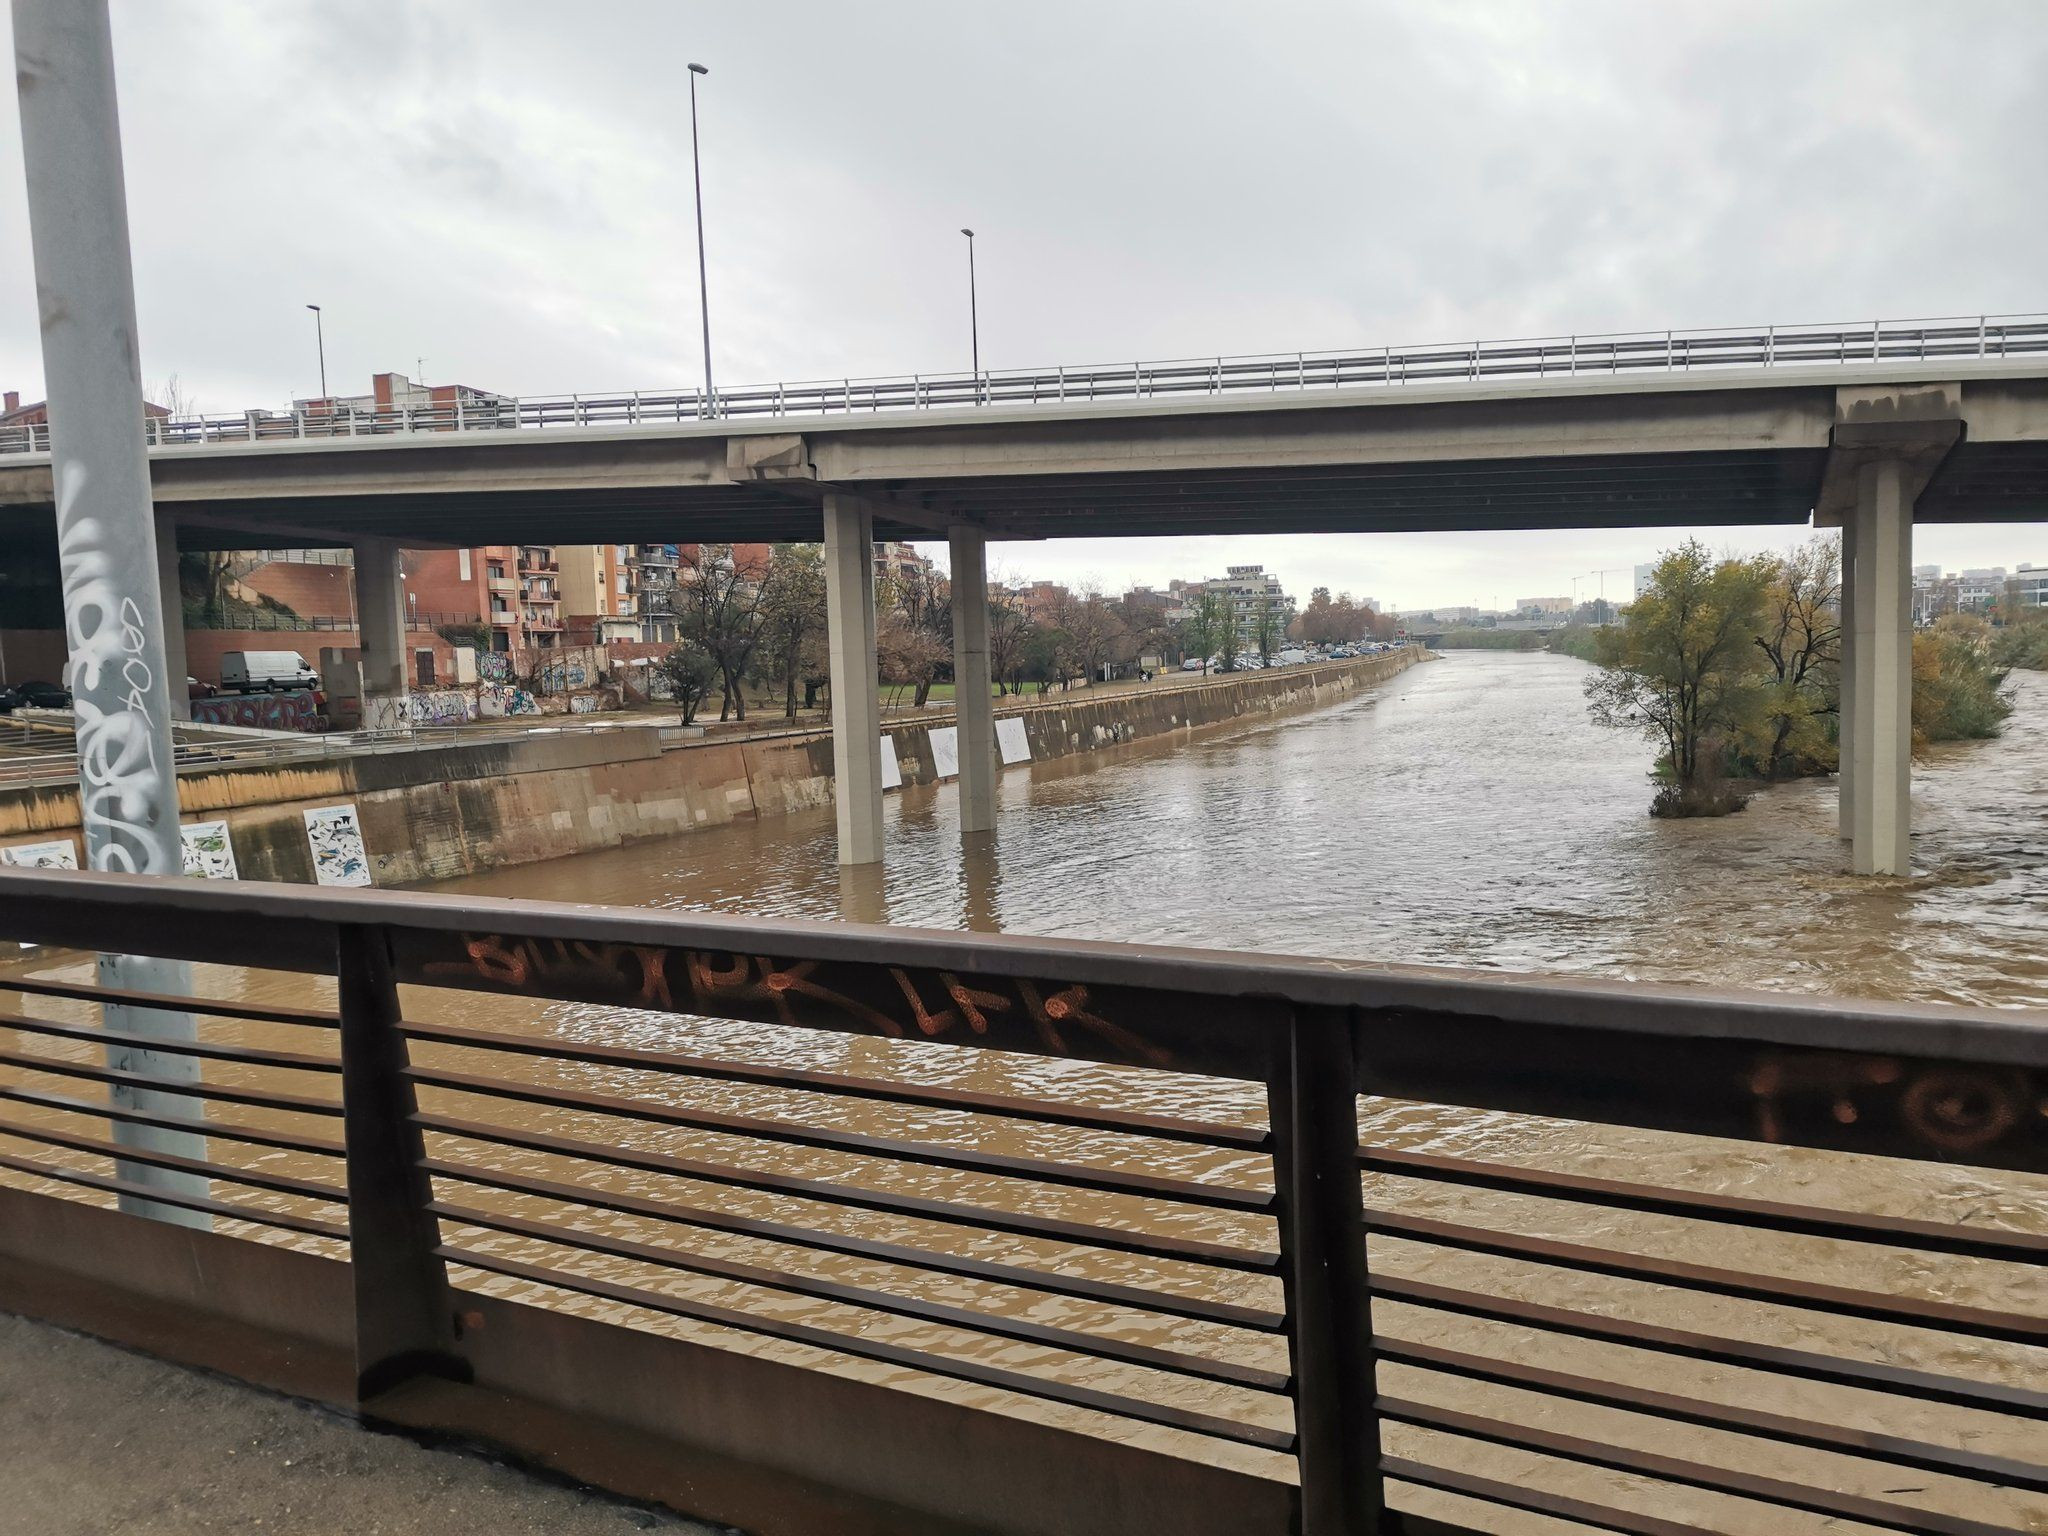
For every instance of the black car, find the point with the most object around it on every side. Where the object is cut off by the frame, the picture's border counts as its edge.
(34, 696)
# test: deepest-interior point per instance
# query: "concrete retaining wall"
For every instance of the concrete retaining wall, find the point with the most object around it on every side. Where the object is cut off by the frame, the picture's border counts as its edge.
(433, 813)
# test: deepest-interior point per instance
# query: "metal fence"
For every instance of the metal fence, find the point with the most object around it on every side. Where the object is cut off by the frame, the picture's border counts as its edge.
(1193, 1318)
(273, 619)
(1960, 339)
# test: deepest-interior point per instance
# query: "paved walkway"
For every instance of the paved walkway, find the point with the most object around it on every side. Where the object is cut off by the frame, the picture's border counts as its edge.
(95, 1441)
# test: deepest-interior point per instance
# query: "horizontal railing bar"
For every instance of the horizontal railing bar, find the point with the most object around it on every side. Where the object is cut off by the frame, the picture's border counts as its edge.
(1536, 1501)
(1199, 1367)
(1673, 1469)
(290, 1102)
(1914, 1312)
(227, 1130)
(1926, 1386)
(1016, 1223)
(281, 1219)
(172, 1003)
(1770, 1215)
(1735, 1420)
(964, 1159)
(1199, 1309)
(276, 1183)
(165, 1045)
(1163, 1127)
(873, 1349)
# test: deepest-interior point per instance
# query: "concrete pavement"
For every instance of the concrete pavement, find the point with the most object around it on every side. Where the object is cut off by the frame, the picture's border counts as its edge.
(101, 1442)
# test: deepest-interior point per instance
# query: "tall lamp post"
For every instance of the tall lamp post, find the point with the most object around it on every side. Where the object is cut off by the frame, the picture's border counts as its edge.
(703, 279)
(973, 313)
(320, 341)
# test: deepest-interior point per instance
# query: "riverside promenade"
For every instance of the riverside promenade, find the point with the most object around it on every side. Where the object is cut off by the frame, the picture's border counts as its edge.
(104, 1442)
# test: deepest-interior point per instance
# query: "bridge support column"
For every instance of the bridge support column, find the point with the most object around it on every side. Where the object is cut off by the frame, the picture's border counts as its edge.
(1879, 747)
(856, 695)
(1845, 704)
(170, 594)
(972, 706)
(380, 620)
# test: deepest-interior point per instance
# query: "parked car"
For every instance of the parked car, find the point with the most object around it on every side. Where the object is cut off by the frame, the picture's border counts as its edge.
(1192, 664)
(265, 672)
(195, 689)
(34, 695)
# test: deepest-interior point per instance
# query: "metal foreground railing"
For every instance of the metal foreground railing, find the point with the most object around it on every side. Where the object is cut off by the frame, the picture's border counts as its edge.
(1974, 338)
(1042, 1237)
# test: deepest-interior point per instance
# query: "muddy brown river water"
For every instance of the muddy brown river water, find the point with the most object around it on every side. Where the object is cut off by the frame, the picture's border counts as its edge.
(1463, 813)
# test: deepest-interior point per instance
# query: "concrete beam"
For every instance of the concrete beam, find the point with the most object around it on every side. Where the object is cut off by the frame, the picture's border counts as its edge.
(1914, 426)
(1881, 673)
(973, 707)
(856, 694)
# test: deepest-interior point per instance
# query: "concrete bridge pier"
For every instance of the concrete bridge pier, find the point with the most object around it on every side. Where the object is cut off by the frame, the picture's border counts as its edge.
(856, 693)
(1877, 671)
(380, 620)
(974, 709)
(171, 597)
(1886, 445)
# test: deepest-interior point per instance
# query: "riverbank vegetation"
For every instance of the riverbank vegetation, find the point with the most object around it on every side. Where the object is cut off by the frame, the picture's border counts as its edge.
(1489, 640)
(2023, 642)
(1733, 666)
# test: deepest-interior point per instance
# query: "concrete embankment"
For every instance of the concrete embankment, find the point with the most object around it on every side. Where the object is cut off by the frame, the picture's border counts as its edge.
(438, 812)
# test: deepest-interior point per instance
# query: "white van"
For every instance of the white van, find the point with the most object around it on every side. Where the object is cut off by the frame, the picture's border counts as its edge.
(265, 672)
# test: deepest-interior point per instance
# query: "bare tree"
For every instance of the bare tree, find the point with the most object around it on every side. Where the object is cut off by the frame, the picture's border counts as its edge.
(722, 609)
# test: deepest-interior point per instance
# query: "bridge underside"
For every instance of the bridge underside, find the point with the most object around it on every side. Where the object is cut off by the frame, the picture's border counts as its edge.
(1998, 482)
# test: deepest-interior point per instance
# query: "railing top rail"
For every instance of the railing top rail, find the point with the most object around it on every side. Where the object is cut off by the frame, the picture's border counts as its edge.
(1947, 339)
(290, 927)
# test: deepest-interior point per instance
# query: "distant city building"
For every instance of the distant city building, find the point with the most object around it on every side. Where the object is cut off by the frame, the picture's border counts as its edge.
(1253, 595)
(1645, 574)
(1531, 606)
(1981, 590)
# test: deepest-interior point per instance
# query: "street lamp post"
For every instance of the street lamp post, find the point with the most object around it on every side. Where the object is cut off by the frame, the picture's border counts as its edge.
(320, 340)
(973, 313)
(703, 278)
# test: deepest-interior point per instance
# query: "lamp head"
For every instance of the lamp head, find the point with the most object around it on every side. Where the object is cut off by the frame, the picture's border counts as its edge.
(699, 69)
(968, 233)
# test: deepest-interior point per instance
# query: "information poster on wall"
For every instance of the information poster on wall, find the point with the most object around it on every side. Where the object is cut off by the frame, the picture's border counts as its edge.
(337, 842)
(208, 854)
(946, 751)
(892, 770)
(52, 855)
(1011, 740)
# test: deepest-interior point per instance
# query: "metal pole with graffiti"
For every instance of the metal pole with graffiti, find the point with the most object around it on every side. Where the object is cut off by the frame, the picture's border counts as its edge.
(106, 539)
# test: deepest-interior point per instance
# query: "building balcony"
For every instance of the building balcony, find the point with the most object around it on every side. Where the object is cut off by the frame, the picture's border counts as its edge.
(503, 619)
(501, 584)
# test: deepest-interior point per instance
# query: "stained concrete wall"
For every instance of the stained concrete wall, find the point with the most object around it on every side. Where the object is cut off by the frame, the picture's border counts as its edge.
(434, 813)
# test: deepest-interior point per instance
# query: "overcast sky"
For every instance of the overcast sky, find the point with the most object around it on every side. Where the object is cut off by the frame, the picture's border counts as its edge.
(504, 191)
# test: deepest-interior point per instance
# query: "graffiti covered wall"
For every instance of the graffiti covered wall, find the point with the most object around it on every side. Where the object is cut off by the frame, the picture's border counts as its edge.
(295, 711)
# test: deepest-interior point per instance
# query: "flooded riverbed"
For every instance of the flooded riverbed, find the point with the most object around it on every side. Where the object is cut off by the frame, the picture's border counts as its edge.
(1464, 813)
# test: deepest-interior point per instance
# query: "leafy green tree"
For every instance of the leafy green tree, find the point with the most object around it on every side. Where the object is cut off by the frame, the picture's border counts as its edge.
(793, 625)
(1266, 628)
(1800, 637)
(1685, 673)
(1959, 691)
(691, 675)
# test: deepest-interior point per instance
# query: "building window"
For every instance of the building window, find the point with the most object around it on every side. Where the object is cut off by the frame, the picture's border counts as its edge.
(462, 563)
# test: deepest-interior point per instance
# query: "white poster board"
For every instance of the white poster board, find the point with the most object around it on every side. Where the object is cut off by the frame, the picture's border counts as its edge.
(892, 770)
(208, 854)
(59, 854)
(1011, 740)
(946, 751)
(337, 842)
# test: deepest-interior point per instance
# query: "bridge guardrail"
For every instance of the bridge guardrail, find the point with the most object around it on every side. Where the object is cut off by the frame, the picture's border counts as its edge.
(1244, 1314)
(1976, 337)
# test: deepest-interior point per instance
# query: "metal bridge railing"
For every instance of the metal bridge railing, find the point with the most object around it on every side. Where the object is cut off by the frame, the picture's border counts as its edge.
(1286, 1306)
(1978, 337)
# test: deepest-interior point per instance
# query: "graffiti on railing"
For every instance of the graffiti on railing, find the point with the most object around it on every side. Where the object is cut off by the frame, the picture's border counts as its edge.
(1951, 1109)
(298, 710)
(1054, 1018)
